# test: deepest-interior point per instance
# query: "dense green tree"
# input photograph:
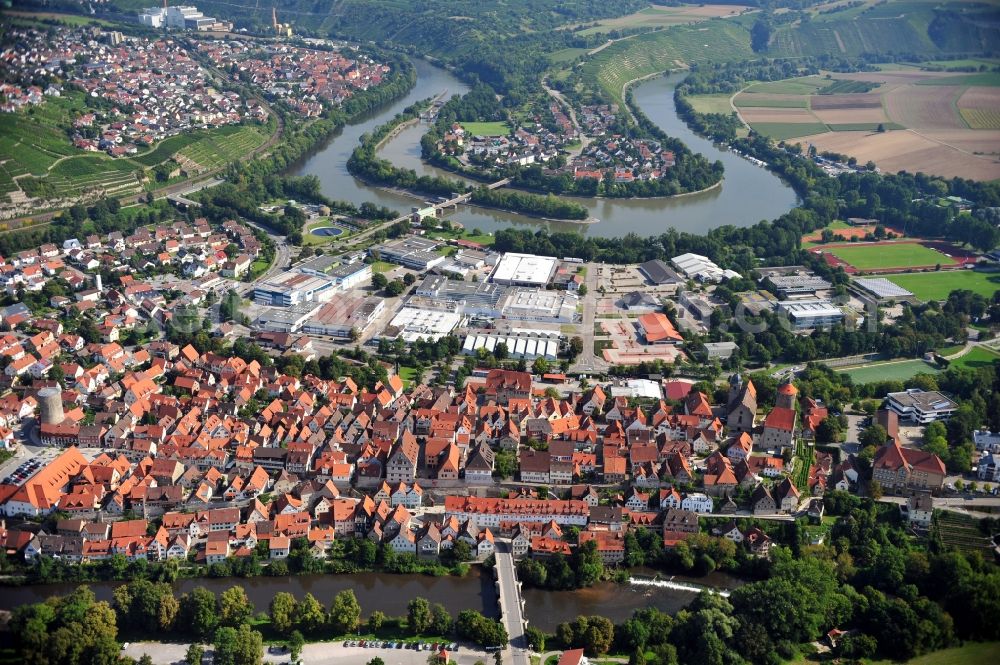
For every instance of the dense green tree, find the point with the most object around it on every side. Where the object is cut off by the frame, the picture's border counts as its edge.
(309, 616)
(198, 612)
(235, 607)
(418, 616)
(282, 612)
(345, 612)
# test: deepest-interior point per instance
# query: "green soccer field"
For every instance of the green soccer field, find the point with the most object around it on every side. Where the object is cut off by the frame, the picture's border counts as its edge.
(890, 255)
(890, 371)
(486, 128)
(937, 285)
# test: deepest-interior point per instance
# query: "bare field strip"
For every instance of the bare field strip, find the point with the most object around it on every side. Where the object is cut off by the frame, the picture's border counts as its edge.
(979, 140)
(851, 116)
(860, 100)
(907, 151)
(894, 77)
(924, 107)
(756, 114)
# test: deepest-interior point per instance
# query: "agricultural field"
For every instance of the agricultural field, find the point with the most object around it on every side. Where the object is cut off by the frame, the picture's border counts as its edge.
(942, 123)
(888, 255)
(977, 357)
(658, 16)
(898, 370)
(980, 107)
(486, 128)
(937, 285)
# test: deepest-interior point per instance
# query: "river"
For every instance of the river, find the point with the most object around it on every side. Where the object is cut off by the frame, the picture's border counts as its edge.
(390, 594)
(748, 193)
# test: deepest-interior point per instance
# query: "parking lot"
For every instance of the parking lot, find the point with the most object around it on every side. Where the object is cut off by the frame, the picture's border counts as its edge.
(316, 653)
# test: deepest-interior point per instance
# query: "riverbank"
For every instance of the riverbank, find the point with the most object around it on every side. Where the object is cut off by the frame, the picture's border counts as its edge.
(748, 194)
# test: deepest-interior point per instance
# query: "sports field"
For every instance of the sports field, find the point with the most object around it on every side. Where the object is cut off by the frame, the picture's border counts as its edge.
(889, 255)
(937, 285)
(486, 128)
(899, 370)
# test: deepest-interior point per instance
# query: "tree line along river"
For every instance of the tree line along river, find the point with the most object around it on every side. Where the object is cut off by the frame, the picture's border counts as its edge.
(390, 593)
(748, 193)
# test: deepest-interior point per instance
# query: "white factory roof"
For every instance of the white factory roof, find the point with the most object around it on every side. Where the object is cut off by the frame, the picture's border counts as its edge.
(882, 287)
(810, 308)
(524, 269)
(414, 323)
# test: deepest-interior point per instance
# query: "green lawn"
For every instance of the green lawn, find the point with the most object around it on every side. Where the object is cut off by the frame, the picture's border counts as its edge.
(889, 371)
(890, 255)
(805, 85)
(973, 653)
(937, 285)
(383, 266)
(407, 374)
(788, 130)
(486, 128)
(977, 357)
(717, 103)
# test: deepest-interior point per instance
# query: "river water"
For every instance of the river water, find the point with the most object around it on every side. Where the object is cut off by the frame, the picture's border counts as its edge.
(748, 193)
(390, 594)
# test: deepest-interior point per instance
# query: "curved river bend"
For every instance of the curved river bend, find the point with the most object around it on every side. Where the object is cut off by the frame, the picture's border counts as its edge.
(748, 194)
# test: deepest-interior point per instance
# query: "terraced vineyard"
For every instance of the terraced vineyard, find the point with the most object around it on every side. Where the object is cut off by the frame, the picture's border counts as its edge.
(87, 173)
(224, 145)
(650, 53)
(961, 532)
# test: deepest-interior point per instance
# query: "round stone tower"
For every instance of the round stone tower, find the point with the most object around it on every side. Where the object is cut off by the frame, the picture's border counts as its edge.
(51, 406)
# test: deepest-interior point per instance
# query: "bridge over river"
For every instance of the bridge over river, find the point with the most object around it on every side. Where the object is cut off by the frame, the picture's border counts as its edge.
(511, 606)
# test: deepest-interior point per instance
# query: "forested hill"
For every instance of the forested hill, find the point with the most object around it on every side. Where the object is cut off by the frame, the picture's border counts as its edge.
(445, 27)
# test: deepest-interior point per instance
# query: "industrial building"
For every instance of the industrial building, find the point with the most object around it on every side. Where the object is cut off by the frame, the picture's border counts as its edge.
(659, 273)
(286, 319)
(808, 314)
(180, 17)
(539, 305)
(343, 314)
(883, 289)
(294, 287)
(412, 252)
(469, 298)
(411, 324)
(526, 344)
(523, 270)
(701, 268)
(798, 284)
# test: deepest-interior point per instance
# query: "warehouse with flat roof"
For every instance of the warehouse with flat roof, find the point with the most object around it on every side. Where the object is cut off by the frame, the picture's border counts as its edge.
(294, 287)
(523, 270)
(412, 252)
(539, 305)
(411, 324)
(806, 314)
